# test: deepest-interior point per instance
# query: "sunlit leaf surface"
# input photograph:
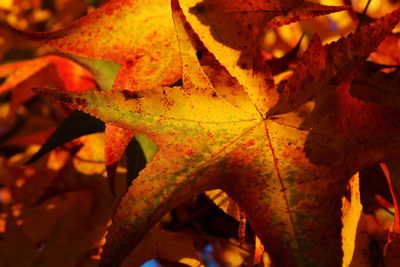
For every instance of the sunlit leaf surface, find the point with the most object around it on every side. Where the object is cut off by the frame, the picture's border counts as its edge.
(196, 77)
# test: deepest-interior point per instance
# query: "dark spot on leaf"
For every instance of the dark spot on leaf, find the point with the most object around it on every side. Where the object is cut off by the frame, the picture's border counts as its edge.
(199, 55)
(131, 95)
(66, 99)
(129, 63)
(82, 102)
(214, 94)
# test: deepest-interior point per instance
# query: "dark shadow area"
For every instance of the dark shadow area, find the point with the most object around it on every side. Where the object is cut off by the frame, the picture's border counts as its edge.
(238, 30)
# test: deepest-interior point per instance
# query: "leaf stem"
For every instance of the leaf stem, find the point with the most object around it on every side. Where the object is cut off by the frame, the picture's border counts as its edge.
(363, 15)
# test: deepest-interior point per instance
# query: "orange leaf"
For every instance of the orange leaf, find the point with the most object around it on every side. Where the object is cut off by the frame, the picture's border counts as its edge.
(52, 71)
(258, 251)
(137, 34)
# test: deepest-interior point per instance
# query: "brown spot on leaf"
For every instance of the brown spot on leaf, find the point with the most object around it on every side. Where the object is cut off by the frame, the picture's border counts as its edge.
(81, 101)
(66, 99)
(129, 63)
(131, 95)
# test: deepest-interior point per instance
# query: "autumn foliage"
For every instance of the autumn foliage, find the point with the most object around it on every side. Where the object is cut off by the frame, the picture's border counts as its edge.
(285, 114)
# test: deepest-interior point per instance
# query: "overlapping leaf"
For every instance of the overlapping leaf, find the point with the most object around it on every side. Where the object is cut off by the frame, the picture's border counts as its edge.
(326, 64)
(52, 71)
(231, 31)
(136, 34)
(126, 33)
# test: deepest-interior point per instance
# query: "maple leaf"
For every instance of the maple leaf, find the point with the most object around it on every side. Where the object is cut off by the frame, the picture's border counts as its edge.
(288, 180)
(126, 33)
(121, 32)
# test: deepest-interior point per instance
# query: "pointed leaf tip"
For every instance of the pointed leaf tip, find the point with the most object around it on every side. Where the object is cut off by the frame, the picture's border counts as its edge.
(71, 99)
(132, 34)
